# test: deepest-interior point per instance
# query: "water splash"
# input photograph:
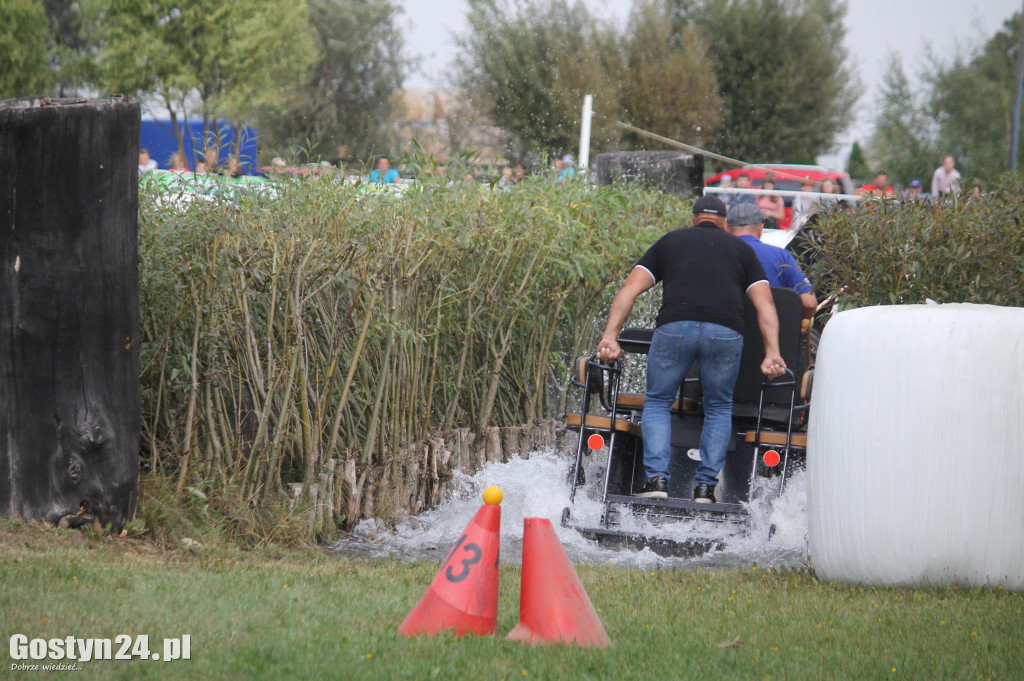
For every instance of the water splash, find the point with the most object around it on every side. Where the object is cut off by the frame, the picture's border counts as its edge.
(538, 487)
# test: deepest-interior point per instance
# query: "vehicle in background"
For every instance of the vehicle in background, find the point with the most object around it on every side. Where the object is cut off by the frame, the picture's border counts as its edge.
(787, 177)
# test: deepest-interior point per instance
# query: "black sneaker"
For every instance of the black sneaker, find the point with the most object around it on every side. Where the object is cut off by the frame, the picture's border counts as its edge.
(704, 494)
(655, 488)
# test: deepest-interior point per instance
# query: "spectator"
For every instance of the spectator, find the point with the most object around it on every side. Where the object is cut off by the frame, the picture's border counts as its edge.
(212, 157)
(779, 264)
(913, 192)
(179, 163)
(568, 171)
(383, 173)
(977, 189)
(520, 172)
(145, 162)
(232, 168)
(772, 206)
(726, 183)
(742, 182)
(880, 188)
(802, 205)
(828, 187)
(946, 179)
(507, 178)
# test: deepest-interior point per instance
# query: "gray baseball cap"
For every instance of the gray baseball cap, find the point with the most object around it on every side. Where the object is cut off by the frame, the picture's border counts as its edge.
(744, 214)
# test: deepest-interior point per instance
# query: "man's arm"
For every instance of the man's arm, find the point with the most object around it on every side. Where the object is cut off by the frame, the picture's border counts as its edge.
(638, 281)
(810, 304)
(760, 295)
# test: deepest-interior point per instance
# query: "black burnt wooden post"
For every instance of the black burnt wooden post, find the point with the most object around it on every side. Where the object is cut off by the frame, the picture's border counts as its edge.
(672, 172)
(69, 310)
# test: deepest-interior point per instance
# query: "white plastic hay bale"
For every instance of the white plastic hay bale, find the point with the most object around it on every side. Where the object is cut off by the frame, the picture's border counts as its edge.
(916, 447)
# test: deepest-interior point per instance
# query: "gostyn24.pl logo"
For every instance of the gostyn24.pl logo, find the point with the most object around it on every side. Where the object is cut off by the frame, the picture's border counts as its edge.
(69, 651)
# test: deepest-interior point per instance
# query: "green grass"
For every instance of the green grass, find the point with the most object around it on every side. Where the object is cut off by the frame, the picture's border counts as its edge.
(280, 614)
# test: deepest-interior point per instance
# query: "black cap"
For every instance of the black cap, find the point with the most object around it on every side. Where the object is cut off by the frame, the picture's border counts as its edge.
(709, 205)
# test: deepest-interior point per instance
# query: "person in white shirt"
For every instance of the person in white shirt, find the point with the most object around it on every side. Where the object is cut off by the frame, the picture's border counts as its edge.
(145, 162)
(946, 179)
(803, 205)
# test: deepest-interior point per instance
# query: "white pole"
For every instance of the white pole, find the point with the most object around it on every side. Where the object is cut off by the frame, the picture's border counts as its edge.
(588, 113)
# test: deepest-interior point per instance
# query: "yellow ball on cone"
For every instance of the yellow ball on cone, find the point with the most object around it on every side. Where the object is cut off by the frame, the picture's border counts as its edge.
(493, 495)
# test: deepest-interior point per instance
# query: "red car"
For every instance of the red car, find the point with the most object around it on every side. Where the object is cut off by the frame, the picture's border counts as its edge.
(787, 176)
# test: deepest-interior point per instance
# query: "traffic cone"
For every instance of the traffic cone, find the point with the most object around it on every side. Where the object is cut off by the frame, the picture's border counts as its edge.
(464, 593)
(553, 605)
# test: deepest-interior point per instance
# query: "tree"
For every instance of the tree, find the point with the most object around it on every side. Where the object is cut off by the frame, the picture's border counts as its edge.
(528, 65)
(782, 72)
(67, 46)
(857, 165)
(902, 143)
(669, 85)
(24, 70)
(217, 57)
(972, 100)
(347, 98)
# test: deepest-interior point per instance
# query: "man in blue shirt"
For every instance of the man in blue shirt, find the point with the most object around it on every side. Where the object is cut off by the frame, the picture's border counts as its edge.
(746, 221)
(383, 173)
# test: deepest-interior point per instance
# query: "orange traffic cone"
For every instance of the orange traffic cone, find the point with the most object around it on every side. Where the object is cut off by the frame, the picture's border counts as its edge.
(553, 605)
(464, 593)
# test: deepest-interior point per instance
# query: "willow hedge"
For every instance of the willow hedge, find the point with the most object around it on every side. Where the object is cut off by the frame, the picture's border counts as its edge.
(293, 334)
(956, 251)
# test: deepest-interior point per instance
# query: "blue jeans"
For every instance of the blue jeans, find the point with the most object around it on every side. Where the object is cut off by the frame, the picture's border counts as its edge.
(674, 347)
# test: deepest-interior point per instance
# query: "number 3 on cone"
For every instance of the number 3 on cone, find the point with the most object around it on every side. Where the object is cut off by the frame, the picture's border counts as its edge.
(466, 562)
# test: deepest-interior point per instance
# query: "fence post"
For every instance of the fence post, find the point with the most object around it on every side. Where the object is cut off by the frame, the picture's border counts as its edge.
(69, 312)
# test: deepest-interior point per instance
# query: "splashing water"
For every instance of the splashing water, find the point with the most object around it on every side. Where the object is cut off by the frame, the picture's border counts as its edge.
(538, 487)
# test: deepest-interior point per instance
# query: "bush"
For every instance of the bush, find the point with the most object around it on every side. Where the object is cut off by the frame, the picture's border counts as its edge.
(963, 251)
(290, 335)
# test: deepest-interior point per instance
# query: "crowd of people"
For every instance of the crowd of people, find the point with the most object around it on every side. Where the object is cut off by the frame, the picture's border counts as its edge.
(382, 171)
(207, 164)
(820, 195)
(946, 181)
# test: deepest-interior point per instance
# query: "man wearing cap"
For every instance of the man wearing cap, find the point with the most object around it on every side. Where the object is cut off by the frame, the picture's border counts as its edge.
(747, 222)
(705, 273)
(914, 193)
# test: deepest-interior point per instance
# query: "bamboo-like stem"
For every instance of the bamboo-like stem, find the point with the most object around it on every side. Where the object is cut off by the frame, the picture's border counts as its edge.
(192, 396)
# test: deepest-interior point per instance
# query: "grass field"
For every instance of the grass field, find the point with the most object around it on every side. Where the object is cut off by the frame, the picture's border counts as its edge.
(286, 614)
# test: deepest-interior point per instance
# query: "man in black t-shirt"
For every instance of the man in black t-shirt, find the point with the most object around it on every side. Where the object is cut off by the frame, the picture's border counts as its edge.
(706, 272)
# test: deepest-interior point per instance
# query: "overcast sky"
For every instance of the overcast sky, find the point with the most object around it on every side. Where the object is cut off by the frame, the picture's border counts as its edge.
(875, 28)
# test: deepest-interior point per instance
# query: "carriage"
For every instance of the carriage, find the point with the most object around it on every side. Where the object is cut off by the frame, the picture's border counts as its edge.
(768, 443)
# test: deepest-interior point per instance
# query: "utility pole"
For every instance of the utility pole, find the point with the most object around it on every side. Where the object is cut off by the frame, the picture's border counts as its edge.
(1020, 95)
(588, 114)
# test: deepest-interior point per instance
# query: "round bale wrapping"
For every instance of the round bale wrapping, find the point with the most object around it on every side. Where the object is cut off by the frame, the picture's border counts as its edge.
(69, 351)
(916, 447)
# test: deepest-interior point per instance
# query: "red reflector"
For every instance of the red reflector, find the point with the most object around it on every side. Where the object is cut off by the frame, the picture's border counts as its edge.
(771, 458)
(595, 441)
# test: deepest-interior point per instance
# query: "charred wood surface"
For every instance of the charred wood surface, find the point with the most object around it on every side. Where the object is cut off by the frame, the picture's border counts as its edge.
(69, 356)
